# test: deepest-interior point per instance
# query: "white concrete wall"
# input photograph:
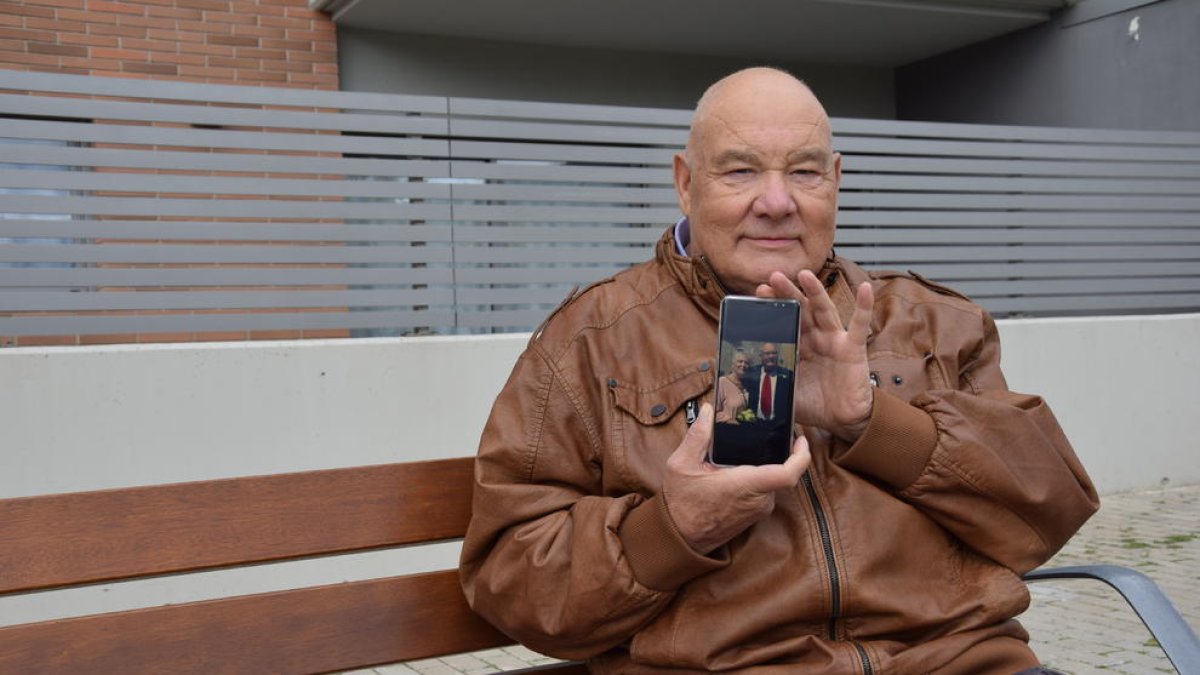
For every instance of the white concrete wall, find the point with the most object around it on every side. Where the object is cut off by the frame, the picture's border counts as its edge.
(1126, 389)
(84, 418)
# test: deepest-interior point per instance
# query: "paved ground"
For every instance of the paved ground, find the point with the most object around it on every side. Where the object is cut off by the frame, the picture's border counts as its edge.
(1079, 627)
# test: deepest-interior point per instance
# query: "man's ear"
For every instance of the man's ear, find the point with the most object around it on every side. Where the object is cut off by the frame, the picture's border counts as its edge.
(683, 181)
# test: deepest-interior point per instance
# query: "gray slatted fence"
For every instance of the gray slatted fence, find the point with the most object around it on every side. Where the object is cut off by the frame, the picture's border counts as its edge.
(134, 207)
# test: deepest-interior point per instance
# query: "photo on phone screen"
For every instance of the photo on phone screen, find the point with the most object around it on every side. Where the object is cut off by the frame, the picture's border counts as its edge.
(756, 364)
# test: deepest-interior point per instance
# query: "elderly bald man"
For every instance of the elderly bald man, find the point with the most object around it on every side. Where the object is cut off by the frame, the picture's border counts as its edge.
(918, 490)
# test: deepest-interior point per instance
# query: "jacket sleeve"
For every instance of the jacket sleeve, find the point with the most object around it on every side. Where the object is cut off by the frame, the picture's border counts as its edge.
(989, 465)
(549, 558)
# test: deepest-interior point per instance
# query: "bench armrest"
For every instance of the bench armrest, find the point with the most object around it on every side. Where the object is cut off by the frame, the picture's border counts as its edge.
(1155, 610)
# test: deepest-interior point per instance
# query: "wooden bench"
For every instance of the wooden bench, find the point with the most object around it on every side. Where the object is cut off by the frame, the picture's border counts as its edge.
(60, 541)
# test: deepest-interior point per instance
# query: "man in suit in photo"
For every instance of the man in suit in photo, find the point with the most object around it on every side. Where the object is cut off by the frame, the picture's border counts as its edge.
(769, 384)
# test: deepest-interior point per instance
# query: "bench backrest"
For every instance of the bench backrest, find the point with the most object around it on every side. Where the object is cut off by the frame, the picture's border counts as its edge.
(57, 541)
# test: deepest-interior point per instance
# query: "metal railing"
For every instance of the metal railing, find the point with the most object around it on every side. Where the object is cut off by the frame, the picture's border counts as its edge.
(135, 207)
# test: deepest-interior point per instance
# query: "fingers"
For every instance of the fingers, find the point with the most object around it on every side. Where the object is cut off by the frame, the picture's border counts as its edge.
(860, 322)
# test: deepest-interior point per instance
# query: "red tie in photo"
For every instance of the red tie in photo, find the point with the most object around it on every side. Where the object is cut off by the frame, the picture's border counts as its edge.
(764, 398)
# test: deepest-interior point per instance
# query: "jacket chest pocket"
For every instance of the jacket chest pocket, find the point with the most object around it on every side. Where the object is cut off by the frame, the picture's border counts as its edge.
(649, 420)
(905, 375)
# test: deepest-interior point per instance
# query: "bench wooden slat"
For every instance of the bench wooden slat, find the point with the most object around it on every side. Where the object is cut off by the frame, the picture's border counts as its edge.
(310, 630)
(55, 540)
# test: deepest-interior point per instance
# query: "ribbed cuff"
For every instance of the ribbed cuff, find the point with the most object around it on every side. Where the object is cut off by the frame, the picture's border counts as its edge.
(660, 558)
(896, 445)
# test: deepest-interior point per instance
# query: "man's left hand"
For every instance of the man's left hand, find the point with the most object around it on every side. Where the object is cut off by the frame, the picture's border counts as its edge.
(833, 386)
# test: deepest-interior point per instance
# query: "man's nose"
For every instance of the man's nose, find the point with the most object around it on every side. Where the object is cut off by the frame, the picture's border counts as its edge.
(774, 200)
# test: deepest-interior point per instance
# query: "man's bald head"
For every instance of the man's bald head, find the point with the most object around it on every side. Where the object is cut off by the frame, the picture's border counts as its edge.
(742, 92)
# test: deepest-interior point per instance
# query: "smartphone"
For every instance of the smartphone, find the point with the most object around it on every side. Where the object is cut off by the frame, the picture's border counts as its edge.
(756, 365)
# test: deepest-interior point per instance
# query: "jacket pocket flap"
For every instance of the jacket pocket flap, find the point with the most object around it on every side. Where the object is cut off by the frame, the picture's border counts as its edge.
(657, 403)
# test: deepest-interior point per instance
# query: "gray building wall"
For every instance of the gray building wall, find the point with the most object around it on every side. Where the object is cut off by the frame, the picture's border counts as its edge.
(415, 64)
(1133, 69)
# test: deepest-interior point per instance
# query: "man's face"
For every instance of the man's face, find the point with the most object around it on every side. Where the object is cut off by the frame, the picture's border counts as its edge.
(759, 184)
(769, 354)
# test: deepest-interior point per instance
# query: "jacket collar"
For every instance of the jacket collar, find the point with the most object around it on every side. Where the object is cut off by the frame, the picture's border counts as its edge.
(701, 284)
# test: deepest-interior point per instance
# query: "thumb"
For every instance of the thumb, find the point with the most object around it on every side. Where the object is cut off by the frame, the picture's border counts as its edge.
(694, 447)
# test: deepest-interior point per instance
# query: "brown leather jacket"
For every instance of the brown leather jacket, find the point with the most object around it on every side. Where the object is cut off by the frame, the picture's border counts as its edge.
(899, 554)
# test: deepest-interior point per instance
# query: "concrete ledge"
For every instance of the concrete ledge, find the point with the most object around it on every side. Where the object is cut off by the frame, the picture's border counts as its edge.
(83, 418)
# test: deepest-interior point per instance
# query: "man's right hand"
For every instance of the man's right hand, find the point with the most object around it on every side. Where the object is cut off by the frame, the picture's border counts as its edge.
(711, 505)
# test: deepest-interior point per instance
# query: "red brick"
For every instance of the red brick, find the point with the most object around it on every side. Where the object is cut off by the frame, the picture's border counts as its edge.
(28, 59)
(56, 25)
(216, 50)
(86, 17)
(57, 49)
(232, 40)
(115, 339)
(206, 5)
(201, 27)
(256, 8)
(75, 4)
(28, 35)
(131, 8)
(231, 18)
(174, 35)
(91, 62)
(21, 9)
(12, 21)
(149, 45)
(147, 22)
(151, 68)
(287, 66)
(188, 59)
(175, 13)
(12, 45)
(256, 76)
(296, 45)
(225, 62)
(248, 53)
(116, 29)
(284, 22)
(120, 54)
(261, 31)
(201, 71)
(89, 40)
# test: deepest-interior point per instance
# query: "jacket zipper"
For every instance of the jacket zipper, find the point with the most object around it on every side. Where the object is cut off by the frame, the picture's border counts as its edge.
(835, 586)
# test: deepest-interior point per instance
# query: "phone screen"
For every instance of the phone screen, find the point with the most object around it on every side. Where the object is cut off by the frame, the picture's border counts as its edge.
(756, 365)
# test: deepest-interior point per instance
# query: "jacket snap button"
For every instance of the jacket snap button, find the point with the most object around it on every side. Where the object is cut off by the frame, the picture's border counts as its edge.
(874, 379)
(612, 382)
(897, 379)
(658, 410)
(704, 367)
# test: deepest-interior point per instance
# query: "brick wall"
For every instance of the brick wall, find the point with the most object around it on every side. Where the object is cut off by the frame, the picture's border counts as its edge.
(258, 42)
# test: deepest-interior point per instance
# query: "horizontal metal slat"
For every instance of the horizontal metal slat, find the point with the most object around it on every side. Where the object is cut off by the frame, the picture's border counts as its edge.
(619, 196)
(212, 115)
(112, 182)
(59, 301)
(990, 166)
(205, 138)
(527, 274)
(555, 234)
(220, 208)
(963, 218)
(1073, 304)
(578, 112)
(193, 230)
(1018, 201)
(1124, 185)
(572, 214)
(202, 160)
(608, 134)
(192, 91)
(915, 254)
(552, 254)
(218, 254)
(995, 132)
(551, 171)
(158, 277)
(965, 148)
(943, 236)
(580, 154)
(952, 272)
(116, 324)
